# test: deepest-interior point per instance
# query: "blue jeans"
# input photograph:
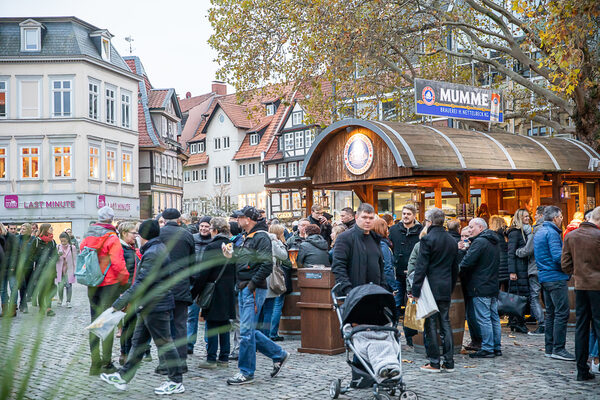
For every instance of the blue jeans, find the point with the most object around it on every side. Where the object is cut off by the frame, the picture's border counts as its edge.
(593, 343)
(251, 339)
(556, 298)
(474, 330)
(266, 314)
(9, 281)
(192, 325)
(218, 334)
(486, 311)
(277, 307)
(535, 287)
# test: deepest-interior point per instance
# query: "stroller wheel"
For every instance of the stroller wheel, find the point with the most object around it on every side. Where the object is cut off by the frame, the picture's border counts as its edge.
(409, 395)
(334, 388)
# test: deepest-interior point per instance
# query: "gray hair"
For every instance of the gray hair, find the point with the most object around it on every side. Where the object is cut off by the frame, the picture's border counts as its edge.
(185, 218)
(551, 212)
(221, 225)
(304, 220)
(365, 208)
(126, 226)
(436, 216)
(481, 222)
(595, 216)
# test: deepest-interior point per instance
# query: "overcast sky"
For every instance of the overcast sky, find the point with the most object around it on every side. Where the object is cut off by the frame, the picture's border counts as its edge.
(170, 37)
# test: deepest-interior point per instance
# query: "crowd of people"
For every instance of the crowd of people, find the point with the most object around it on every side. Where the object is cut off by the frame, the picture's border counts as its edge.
(235, 273)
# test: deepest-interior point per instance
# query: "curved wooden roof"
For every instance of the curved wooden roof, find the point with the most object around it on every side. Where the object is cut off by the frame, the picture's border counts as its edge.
(427, 148)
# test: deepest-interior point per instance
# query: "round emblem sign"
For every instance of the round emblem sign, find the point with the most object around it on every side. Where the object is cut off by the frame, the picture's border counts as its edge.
(358, 154)
(428, 95)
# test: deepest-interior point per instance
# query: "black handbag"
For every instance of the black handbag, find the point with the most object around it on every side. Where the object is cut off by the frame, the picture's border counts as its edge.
(511, 304)
(205, 298)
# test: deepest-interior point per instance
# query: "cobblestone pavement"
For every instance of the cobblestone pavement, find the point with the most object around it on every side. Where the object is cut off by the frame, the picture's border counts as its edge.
(61, 369)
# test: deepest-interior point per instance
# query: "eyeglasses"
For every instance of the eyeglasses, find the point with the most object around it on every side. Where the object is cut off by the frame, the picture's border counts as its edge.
(134, 233)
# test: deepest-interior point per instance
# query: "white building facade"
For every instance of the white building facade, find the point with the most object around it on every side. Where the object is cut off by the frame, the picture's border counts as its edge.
(68, 124)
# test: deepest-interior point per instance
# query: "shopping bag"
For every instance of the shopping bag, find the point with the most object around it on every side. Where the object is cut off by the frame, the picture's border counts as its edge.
(426, 305)
(511, 304)
(410, 317)
(105, 323)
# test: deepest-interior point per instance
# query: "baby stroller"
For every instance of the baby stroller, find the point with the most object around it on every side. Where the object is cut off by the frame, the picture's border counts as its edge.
(368, 305)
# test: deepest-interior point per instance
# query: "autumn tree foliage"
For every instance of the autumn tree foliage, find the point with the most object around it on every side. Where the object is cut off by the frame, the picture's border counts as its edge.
(543, 54)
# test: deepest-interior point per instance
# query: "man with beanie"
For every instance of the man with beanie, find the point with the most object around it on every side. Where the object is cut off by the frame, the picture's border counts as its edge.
(180, 247)
(201, 240)
(254, 265)
(103, 237)
(154, 302)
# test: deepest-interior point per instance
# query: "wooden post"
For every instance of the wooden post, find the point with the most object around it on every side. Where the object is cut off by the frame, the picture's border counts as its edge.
(309, 200)
(462, 187)
(556, 189)
(421, 206)
(375, 201)
(485, 197)
(438, 196)
(582, 194)
(597, 193)
(535, 194)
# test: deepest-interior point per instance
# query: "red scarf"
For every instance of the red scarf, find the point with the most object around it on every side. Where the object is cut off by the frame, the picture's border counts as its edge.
(46, 239)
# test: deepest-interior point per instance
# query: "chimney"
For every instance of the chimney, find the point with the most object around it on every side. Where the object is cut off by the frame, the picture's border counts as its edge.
(220, 88)
(188, 95)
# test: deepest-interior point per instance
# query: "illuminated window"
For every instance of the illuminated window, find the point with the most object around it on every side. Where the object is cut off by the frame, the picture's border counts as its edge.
(61, 98)
(3, 98)
(285, 201)
(126, 168)
(111, 165)
(62, 161)
(105, 49)
(2, 162)
(30, 162)
(94, 162)
(296, 201)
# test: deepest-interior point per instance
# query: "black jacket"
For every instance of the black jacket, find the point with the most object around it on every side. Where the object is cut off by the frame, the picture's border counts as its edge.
(350, 223)
(438, 262)
(191, 228)
(479, 266)
(403, 240)
(11, 254)
(200, 243)
(326, 229)
(349, 263)
(254, 261)
(223, 304)
(45, 261)
(503, 263)
(313, 251)
(131, 260)
(28, 246)
(294, 241)
(152, 270)
(180, 245)
(517, 265)
(455, 235)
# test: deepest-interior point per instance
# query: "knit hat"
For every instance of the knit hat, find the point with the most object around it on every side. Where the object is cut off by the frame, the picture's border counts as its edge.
(149, 229)
(171, 213)
(206, 219)
(106, 214)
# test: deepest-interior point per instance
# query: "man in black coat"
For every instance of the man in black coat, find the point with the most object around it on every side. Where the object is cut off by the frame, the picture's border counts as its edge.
(357, 257)
(438, 263)
(154, 305)
(180, 246)
(404, 235)
(316, 217)
(479, 267)
(347, 216)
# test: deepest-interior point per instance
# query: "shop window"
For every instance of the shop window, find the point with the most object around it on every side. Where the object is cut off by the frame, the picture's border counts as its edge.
(296, 201)
(126, 167)
(285, 202)
(94, 162)
(242, 201)
(111, 165)
(94, 105)
(30, 162)
(62, 98)
(62, 161)
(3, 163)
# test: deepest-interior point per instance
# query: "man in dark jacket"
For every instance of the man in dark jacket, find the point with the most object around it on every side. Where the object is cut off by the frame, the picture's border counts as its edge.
(357, 257)
(454, 229)
(201, 240)
(438, 262)
(316, 217)
(254, 264)
(313, 250)
(293, 242)
(581, 257)
(404, 235)
(347, 215)
(180, 245)
(480, 267)
(154, 303)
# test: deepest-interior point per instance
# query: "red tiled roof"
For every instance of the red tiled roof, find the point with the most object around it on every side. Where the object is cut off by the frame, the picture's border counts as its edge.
(273, 153)
(187, 104)
(156, 97)
(237, 113)
(197, 159)
(200, 136)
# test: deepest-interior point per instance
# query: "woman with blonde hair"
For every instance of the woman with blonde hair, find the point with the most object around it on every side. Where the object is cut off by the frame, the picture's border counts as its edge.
(518, 232)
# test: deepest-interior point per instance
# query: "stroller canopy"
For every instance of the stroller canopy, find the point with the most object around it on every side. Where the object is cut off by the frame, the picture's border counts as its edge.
(368, 304)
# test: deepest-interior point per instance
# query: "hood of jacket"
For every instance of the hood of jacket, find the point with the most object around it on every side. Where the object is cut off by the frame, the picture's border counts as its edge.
(149, 244)
(100, 229)
(261, 225)
(318, 242)
(488, 235)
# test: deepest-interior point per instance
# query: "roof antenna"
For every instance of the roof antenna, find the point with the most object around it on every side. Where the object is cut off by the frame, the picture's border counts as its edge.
(130, 39)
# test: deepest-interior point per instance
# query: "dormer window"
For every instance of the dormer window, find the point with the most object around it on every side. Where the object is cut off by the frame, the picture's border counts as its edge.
(297, 118)
(105, 49)
(201, 147)
(193, 148)
(254, 139)
(270, 109)
(101, 39)
(31, 35)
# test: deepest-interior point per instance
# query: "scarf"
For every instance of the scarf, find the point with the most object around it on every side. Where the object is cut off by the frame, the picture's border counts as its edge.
(47, 238)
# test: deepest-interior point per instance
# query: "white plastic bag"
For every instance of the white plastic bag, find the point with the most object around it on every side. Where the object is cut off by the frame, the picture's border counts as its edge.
(426, 306)
(105, 323)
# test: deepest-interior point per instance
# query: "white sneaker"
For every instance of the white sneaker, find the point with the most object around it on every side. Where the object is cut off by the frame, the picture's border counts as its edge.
(170, 387)
(115, 380)
(69, 304)
(595, 368)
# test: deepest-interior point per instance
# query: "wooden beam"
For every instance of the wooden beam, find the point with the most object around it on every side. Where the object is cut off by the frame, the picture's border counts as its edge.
(582, 194)
(456, 186)
(309, 200)
(438, 196)
(461, 186)
(360, 193)
(556, 189)
(597, 193)
(536, 194)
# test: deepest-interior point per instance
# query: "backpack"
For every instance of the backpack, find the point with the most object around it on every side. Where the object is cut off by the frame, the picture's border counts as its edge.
(88, 271)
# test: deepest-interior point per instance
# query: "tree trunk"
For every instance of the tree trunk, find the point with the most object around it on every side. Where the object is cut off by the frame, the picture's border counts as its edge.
(587, 116)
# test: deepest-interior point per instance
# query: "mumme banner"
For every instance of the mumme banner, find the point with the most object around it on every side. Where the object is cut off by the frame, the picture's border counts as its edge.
(442, 99)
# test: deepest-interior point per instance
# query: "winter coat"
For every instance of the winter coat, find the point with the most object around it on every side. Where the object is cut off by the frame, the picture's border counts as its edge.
(326, 229)
(191, 228)
(388, 263)
(571, 227)
(479, 266)
(412, 263)
(503, 263)
(45, 262)
(404, 240)
(222, 307)
(104, 238)
(180, 245)
(438, 262)
(152, 270)
(455, 235)
(68, 261)
(527, 251)
(350, 265)
(547, 248)
(350, 223)
(294, 241)
(280, 256)
(132, 259)
(200, 243)
(517, 265)
(313, 251)
(27, 252)
(254, 261)
(11, 253)
(581, 256)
